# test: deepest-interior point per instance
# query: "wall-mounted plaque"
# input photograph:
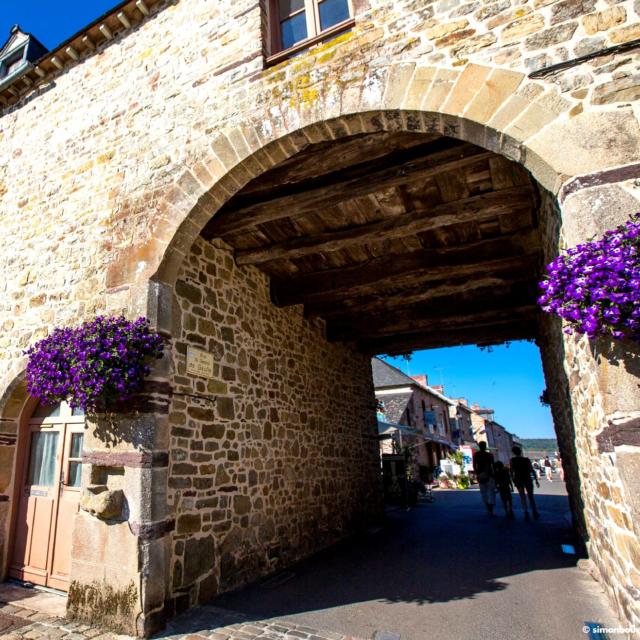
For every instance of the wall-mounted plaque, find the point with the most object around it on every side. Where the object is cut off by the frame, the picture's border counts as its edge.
(199, 363)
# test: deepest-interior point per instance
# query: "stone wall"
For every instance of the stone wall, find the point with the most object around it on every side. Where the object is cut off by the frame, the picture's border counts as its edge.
(586, 401)
(274, 457)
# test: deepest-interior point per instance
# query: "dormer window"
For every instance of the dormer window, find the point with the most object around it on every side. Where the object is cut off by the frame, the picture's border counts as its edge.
(12, 63)
(18, 55)
(297, 24)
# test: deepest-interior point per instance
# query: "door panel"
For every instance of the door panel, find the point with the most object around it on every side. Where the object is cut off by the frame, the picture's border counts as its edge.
(69, 499)
(49, 498)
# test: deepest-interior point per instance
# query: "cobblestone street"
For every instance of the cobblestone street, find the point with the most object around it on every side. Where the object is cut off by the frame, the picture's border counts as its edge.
(205, 622)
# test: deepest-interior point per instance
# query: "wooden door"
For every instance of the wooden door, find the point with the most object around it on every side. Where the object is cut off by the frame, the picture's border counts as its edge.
(49, 497)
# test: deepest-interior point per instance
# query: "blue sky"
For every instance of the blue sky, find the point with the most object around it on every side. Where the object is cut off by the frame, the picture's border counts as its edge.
(508, 378)
(51, 22)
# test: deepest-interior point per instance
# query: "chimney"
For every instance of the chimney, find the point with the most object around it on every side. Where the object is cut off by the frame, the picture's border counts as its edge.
(421, 379)
(464, 402)
(438, 387)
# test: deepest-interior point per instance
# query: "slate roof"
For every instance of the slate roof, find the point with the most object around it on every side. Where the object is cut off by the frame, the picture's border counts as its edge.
(385, 375)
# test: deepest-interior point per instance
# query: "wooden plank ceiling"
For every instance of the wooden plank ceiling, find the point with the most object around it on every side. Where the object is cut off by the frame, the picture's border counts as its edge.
(399, 241)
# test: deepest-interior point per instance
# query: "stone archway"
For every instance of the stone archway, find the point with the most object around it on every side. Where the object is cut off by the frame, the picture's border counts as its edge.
(495, 109)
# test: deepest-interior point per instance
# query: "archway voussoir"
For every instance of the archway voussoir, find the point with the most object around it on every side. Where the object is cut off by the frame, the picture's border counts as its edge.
(372, 121)
(352, 123)
(202, 175)
(177, 197)
(239, 144)
(225, 152)
(432, 122)
(393, 121)
(440, 89)
(170, 266)
(418, 87)
(511, 148)
(396, 85)
(467, 86)
(251, 137)
(317, 132)
(534, 118)
(373, 88)
(473, 132)
(546, 175)
(514, 106)
(494, 93)
(338, 128)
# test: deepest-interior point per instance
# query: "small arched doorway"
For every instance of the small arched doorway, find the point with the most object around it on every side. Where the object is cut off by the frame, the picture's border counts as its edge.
(48, 485)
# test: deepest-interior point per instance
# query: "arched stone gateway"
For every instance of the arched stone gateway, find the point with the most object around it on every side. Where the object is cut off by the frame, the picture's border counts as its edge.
(238, 467)
(580, 191)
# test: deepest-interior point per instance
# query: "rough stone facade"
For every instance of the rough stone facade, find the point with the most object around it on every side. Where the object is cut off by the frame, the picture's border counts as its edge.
(591, 385)
(284, 461)
(111, 168)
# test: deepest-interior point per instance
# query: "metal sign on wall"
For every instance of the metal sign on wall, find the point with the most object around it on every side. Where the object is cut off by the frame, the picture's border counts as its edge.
(199, 363)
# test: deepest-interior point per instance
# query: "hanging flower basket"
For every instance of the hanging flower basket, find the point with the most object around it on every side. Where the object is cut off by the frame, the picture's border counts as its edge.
(595, 286)
(88, 366)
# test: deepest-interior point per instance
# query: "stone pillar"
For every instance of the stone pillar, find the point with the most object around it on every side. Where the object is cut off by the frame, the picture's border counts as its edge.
(121, 535)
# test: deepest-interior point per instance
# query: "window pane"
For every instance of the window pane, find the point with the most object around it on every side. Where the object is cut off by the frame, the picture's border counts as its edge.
(75, 473)
(47, 411)
(287, 7)
(293, 30)
(332, 12)
(42, 459)
(76, 445)
(77, 411)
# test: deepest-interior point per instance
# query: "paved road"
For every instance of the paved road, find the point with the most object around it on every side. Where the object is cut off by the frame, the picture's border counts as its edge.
(444, 571)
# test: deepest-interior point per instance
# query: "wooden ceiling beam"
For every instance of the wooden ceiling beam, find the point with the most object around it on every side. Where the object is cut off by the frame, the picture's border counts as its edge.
(417, 163)
(477, 208)
(413, 268)
(517, 300)
(481, 285)
(518, 329)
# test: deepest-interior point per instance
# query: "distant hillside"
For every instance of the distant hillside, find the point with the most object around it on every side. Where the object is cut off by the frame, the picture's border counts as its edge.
(539, 444)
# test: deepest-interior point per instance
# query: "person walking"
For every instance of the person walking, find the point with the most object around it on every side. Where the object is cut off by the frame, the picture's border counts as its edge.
(548, 469)
(523, 477)
(536, 469)
(505, 487)
(483, 468)
(560, 469)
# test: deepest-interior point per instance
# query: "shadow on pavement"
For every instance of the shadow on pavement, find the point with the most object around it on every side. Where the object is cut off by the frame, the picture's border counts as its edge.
(445, 551)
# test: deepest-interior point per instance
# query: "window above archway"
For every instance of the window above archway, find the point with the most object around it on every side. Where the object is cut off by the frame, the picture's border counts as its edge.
(297, 24)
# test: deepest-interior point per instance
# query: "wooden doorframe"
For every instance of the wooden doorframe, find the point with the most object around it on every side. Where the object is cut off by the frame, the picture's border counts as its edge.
(19, 475)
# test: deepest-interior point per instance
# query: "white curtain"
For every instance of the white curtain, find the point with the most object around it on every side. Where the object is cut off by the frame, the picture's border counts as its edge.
(42, 463)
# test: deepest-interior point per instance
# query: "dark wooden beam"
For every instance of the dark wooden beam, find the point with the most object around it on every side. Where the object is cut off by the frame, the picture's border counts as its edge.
(484, 283)
(432, 266)
(394, 169)
(498, 332)
(477, 208)
(465, 310)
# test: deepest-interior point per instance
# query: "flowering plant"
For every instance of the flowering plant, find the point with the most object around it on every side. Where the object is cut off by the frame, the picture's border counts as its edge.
(595, 286)
(101, 360)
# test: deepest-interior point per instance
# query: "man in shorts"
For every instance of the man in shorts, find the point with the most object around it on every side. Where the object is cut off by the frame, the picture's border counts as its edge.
(523, 477)
(484, 470)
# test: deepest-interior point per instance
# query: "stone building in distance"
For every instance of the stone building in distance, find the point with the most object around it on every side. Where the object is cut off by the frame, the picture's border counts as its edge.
(396, 184)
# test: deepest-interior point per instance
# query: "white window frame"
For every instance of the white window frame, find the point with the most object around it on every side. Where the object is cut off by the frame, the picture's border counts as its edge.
(314, 33)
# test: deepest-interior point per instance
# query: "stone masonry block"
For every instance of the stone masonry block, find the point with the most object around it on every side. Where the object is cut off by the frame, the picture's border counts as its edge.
(467, 86)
